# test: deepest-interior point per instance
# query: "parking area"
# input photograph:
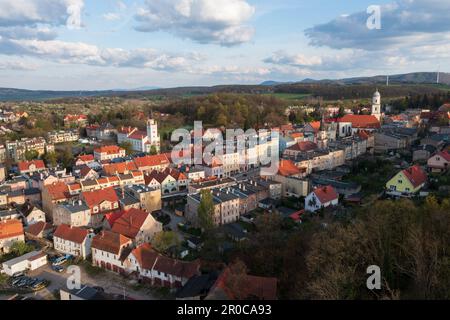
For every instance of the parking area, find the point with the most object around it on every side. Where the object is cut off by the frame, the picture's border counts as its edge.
(111, 283)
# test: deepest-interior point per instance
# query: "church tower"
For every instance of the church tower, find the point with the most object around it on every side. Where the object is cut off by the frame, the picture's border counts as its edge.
(152, 133)
(376, 105)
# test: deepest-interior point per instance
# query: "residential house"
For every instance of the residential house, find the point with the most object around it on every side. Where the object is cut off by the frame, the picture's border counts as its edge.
(100, 202)
(74, 213)
(75, 120)
(84, 160)
(73, 240)
(148, 164)
(137, 225)
(440, 162)
(31, 166)
(110, 250)
(291, 179)
(52, 195)
(109, 153)
(159, 270)
(39, 230)
(11, 231)
(149, 198)
(226, 207)
(321, 197)
(407, 182)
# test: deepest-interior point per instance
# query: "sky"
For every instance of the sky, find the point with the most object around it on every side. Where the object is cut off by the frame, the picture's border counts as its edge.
(127, 44)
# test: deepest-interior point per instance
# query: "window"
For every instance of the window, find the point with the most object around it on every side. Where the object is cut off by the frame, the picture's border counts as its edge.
(400, 181)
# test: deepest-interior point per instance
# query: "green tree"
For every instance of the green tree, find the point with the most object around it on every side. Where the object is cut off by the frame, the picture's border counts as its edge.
(51, 159)
(31, 155)
(20, 248)
(165, 239)
(153, 150)
(206, 210)
(127, 146)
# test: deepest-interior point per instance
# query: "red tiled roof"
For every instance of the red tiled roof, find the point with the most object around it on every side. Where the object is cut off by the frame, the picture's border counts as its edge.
(75, 117)
(84, 171)
(297, 216)
(130, 223)
(10, 228)
(152, 161)
(326, 194)
(303, 146)
(122, 167)
(38, 227)
(113, 216)
(288, 168)
(182, 269)
(157, 175)
(110, 242)
(145, 256)
(361, 121)
(296, 135)
(25, 165)
(72, 234)
(58, 191)
(444, 154)
(138, 135)
(415, 175)
(86, 158)
(109, 149)
(363, 135)
(96, 197)
(315, 125)
(263, 288)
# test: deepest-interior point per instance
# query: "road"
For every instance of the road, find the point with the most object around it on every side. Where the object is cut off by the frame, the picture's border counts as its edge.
(111, 282)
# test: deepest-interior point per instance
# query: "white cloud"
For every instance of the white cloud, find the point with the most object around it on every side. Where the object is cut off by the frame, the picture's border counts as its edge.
(221, 22)
(402, 23)
(17, 65)
(82, 53)
(111, 16)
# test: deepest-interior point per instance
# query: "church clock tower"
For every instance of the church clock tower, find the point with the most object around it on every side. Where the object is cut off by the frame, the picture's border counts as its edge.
(376, 105)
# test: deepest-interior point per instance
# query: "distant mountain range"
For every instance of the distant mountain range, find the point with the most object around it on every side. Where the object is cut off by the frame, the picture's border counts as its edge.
(408, 78)
(418, 78)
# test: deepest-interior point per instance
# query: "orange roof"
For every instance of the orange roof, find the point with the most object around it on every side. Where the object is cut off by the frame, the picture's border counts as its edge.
(110, 242)
(58, 191)
(361, 121)
(315, 125)
(303, 146)
(297, 135)
(288, 168)
(130, 223)
(86, 158)
(10, 228)
(145, 256)
(122, 167)
(326, 194)
(415, 175)
(25, 165)
(152, 161)
(75, 117)
(72, 234)
(96, 197)
(109, 149)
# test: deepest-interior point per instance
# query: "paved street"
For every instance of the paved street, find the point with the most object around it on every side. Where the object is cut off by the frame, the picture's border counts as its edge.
(112, 283)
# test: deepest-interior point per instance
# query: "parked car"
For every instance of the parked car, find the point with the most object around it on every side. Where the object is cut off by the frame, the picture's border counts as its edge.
(18, 274)
(58, 268)
(99, 289)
